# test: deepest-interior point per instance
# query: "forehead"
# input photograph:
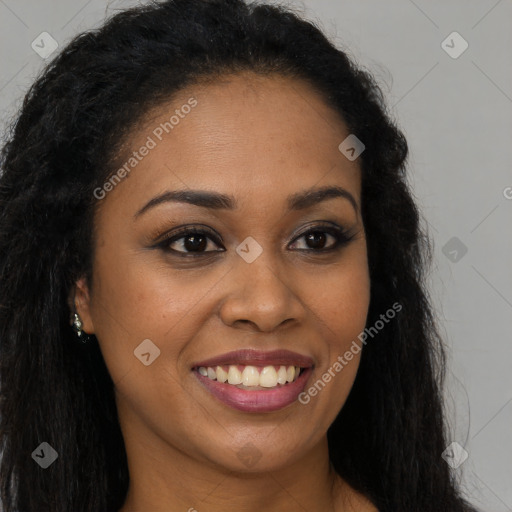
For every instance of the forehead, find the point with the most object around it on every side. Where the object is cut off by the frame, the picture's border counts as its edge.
(244, 134)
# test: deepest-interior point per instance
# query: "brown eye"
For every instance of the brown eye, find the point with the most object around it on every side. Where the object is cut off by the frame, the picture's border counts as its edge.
(317, 239)
(194, 243)
(191, 241)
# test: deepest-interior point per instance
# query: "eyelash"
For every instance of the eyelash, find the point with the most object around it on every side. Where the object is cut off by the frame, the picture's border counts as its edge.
(341, 237)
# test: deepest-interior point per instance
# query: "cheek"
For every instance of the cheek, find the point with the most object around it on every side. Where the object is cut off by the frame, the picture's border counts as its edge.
(352, 296)
(133, 302)
(340, 298)
(340, 302)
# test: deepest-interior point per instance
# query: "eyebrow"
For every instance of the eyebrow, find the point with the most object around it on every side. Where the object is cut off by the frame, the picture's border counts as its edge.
(217, 201)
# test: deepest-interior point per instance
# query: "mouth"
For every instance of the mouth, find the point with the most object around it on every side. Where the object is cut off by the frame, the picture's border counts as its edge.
(255, 381)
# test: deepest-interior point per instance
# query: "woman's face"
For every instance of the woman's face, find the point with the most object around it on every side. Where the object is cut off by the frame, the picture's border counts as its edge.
(265, 274)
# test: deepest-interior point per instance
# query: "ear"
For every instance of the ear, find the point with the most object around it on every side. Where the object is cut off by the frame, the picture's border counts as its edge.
(80, 301)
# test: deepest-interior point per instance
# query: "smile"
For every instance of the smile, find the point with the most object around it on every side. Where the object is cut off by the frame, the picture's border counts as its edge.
(255, 381)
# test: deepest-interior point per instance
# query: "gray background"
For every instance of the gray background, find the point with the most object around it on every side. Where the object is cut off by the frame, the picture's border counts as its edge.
(456, 115)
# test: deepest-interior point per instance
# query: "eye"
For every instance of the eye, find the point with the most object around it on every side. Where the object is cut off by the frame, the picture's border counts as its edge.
(323, 239)
(191, 242)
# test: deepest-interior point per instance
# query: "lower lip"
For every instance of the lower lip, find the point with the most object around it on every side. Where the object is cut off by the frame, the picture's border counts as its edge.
(269, 400)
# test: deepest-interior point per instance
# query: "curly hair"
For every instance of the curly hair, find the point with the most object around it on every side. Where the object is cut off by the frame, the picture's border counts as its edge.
(63, 144)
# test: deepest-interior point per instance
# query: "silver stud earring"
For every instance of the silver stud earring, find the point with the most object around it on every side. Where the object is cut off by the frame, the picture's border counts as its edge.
(77, 326)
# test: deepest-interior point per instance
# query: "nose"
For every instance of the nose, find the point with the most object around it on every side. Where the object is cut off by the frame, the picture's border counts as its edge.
(261, 296)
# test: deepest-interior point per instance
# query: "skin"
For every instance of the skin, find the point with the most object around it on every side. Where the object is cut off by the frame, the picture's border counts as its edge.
(259, 139)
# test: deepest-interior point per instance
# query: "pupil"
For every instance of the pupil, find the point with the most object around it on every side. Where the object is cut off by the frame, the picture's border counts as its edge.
(317, 238)
(199, 244)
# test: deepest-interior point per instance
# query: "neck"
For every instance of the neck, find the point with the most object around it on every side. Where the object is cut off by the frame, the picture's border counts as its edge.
(162, 478)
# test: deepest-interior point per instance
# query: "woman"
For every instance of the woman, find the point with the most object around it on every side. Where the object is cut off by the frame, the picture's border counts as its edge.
(212, 278)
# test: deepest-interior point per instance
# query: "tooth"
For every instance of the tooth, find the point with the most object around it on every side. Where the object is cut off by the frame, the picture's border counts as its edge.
(281, 375)
(290, 373)
(202, 371)
(222, 376)
(268, 377)
(250, 376)
(297, 371)
(234, 375)
(211, 373)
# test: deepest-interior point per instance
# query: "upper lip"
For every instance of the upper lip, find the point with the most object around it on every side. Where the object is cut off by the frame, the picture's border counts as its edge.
(258, 357)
